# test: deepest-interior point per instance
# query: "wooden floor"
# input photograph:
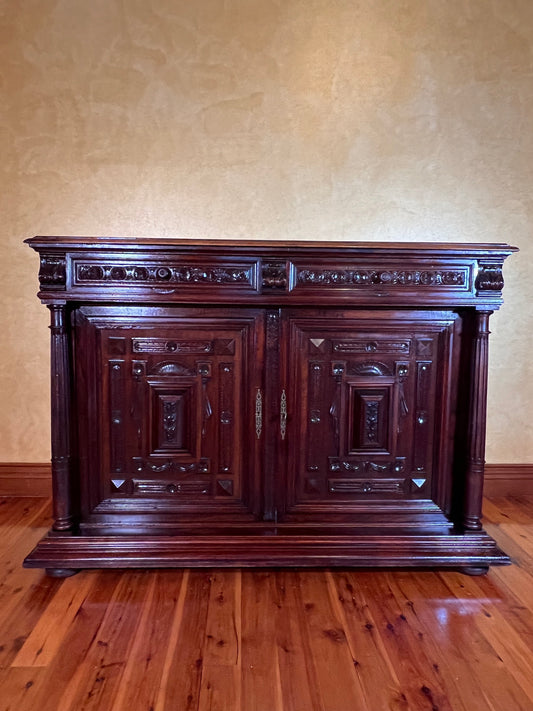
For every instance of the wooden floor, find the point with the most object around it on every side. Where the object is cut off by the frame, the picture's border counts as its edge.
(266, 641)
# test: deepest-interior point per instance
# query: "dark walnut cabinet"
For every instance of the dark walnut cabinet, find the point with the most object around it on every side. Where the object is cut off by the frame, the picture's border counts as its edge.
(267, 403)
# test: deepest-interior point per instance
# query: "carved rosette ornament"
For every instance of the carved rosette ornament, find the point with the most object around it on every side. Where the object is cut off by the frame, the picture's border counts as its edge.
(274, 275)
(490, 278)
(373, 277)
(163, 274)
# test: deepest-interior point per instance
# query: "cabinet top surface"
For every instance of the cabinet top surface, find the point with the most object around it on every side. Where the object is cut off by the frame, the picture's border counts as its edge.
(279, 246)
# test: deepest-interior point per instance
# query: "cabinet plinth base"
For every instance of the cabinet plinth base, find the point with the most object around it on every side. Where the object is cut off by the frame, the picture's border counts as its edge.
(474, 552)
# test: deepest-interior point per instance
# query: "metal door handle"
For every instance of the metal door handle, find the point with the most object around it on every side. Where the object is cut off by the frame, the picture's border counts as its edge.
(283, 415)
(258, 413)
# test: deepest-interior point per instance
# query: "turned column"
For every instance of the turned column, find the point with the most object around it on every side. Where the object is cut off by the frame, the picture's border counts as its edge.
(61, 420)
(477, 423)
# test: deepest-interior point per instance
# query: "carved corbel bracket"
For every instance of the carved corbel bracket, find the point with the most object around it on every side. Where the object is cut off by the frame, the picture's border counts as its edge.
(53, 271)
(489, 278)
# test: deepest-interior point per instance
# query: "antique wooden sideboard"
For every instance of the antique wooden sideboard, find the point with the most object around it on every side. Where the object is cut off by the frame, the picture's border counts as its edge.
(246, 403)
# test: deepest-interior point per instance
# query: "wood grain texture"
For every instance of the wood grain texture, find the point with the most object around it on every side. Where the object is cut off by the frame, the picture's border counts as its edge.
(268, 640)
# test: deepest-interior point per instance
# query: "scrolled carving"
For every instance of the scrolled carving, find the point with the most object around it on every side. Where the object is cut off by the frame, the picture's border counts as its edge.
(169, 368)
(490, 278)
(370, 368)
(202, 466)
(53, 271)
(360, 467)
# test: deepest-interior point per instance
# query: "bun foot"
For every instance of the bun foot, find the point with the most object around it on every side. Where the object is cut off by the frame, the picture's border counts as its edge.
(475, 569)
(60, 572)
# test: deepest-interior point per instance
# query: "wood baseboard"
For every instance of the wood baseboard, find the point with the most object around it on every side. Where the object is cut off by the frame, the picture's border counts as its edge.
(19, 479)
(508, 479)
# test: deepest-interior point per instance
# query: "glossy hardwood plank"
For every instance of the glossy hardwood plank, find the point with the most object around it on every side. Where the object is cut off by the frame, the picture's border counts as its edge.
(220, 689)
(328, 645)
(405, 646)
(22, 613)
(513, 643)
(19, 688)
(223, 625)
(96, 682)
(374, 668)
(450, 621)
(46, 637)
(420, 600)
(184, 664)
(297, 671)
(73, 654)
(146, 668)
(261, 687)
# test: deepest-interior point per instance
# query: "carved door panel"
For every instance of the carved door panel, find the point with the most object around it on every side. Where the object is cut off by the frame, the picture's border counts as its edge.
(171, 405)
(368, 395)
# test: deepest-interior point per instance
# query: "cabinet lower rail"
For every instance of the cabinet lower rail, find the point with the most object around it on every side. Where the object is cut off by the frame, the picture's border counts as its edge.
(474, 550)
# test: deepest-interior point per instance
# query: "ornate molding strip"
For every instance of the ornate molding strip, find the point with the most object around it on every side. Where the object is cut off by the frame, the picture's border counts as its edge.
(377, 277)
(163, 274)
(172, 466)
(356, 486)
(151, 487)
(364, 345)
(359, 467)
(165, 345)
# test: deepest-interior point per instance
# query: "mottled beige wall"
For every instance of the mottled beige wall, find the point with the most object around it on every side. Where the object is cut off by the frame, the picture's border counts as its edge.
(276, 119)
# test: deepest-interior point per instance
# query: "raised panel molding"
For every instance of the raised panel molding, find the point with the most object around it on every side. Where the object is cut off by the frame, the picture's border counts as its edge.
(20, 479)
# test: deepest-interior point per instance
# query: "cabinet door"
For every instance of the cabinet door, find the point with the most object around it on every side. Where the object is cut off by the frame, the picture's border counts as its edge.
(167, 396)
(370, 397)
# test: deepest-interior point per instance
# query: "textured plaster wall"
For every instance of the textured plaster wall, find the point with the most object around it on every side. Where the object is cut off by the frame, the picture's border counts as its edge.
(273, 119)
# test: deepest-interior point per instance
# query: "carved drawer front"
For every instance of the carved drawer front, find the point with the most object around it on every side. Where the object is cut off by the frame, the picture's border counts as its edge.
(170, 275)
(365, 276)
(364, 389)
(170, 411)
